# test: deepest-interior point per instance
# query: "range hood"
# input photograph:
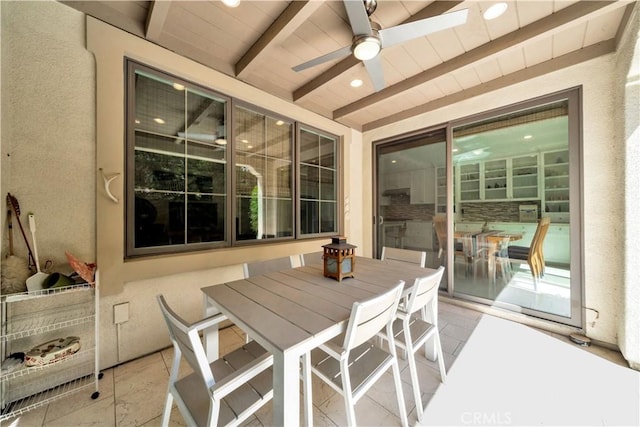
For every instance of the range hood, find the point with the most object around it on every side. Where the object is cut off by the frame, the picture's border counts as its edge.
(397, 192)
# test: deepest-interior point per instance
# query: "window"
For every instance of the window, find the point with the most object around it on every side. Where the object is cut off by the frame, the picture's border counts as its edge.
(318, 178)
(264, 182)
(181, 196)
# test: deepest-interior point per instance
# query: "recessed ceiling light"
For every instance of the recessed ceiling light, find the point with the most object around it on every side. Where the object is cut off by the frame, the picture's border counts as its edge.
(221, 141)
(137, 121)
(158, 120)
(249, 146)
(356, 83)
(495, 11)
(245, 141)
(393, 161)
(279, 123)
(528, 136)
(178, 86)
(231, 3)
(455, 150)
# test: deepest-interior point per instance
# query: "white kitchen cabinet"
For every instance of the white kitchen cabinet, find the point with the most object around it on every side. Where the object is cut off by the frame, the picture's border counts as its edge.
(422, 188)
(33, 318)
(556, 185)
(395, 180)
(441, 190)
(419, 235)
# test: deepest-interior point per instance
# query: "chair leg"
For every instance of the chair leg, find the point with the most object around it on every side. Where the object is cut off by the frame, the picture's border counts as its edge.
(413, 370)
(347, 393)
(306, 383)
(398, 382)
(443, 371)
(166, 413)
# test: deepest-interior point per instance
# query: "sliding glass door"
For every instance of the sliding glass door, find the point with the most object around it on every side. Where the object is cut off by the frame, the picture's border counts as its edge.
(411, 191)
(512, 178)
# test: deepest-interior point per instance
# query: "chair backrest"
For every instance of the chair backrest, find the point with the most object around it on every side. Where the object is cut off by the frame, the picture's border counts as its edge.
(538, 238)
(404, 255)
(424, 291)
(440, 225)
(370, 316)
(262, 267)
(186, 342)
(312, 258)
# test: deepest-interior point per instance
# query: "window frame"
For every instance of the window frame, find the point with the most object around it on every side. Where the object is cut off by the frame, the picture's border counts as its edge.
(338, 186)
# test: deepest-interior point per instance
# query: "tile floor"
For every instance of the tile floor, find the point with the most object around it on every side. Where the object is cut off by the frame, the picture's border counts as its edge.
(133, 394)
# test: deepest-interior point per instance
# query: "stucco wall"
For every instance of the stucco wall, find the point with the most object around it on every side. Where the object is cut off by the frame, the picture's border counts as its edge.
(602, 208)
(627, 142)
(48, 128)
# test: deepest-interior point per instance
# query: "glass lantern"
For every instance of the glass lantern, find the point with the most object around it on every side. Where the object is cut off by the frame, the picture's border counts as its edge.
(339, 259)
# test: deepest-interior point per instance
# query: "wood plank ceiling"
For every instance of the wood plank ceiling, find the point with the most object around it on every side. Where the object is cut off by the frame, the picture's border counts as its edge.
(259, 42)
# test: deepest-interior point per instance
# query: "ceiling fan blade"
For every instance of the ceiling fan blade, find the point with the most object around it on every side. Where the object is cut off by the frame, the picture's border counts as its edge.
(413, 30)
(342, 52)
(374, 68)
(358, 17)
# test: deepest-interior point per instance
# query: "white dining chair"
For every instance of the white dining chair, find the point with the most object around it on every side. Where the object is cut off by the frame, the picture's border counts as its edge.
(312, 258)
(257, 268)
(223, 393)
(413, 328)
(350, 363)
(404, 255)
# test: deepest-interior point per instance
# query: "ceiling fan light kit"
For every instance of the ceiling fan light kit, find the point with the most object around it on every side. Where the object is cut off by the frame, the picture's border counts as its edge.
(365, 48)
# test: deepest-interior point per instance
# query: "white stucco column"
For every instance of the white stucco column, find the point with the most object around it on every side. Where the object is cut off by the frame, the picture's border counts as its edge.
(628, 121)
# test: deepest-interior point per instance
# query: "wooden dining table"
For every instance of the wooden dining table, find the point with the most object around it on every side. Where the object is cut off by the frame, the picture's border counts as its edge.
(291, 312)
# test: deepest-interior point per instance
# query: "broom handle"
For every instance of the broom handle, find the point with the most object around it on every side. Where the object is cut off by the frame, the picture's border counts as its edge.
(26, 241)
(32, 227)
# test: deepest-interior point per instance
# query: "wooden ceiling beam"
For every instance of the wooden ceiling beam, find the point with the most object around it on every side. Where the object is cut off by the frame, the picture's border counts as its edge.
(516, 77)
(158, 11)
(289, 20)
(434, 9)
(570, 15)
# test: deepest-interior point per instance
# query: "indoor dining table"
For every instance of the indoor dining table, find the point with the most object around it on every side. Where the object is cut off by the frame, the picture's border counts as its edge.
(291, 312)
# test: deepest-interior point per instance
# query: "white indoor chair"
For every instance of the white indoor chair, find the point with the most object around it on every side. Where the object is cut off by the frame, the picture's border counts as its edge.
(350, 363)
(404, 255)
(223, 393)
(416, 323)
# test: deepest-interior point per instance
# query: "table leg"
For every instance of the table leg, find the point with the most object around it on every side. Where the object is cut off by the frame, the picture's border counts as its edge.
(210, 335)
(286, 390)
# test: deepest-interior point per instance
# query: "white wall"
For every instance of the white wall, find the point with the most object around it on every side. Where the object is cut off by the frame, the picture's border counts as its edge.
(602, 208)
(627, 142)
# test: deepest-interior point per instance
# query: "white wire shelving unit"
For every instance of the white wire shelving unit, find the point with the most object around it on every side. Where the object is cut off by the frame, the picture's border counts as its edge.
(30, 318)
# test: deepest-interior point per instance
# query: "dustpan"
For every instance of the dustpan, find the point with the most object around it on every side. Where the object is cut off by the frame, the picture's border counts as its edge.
(35, 282)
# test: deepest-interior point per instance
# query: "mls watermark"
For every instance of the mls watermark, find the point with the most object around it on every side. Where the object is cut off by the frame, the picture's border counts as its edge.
(480, 418)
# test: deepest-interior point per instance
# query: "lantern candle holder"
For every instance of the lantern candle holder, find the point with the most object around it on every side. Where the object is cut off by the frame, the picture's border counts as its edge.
(339, 258)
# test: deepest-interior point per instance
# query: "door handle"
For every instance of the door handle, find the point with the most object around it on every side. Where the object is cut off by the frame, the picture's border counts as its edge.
(381, 220)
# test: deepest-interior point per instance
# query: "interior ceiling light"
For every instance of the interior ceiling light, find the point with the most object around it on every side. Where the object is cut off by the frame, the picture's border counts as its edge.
(245, 141)
(495, 11)
(528, 136)
(178, 86)
(279, 123)
(356, 83)
(158, 120)
(231, 3)
(221, 141)
(137, 121)
(393, 161)
(366, 48)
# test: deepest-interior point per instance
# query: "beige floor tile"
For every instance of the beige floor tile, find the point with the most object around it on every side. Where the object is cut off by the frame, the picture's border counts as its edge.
(101, 413)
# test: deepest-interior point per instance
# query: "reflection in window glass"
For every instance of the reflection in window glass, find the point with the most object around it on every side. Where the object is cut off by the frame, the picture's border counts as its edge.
(179, 159)
(318, 183)
(264, 185)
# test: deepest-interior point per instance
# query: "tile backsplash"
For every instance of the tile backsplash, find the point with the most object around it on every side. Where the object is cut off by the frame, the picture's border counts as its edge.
(494, 211)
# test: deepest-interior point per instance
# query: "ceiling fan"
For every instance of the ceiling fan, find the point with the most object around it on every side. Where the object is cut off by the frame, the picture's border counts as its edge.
(369, 38)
